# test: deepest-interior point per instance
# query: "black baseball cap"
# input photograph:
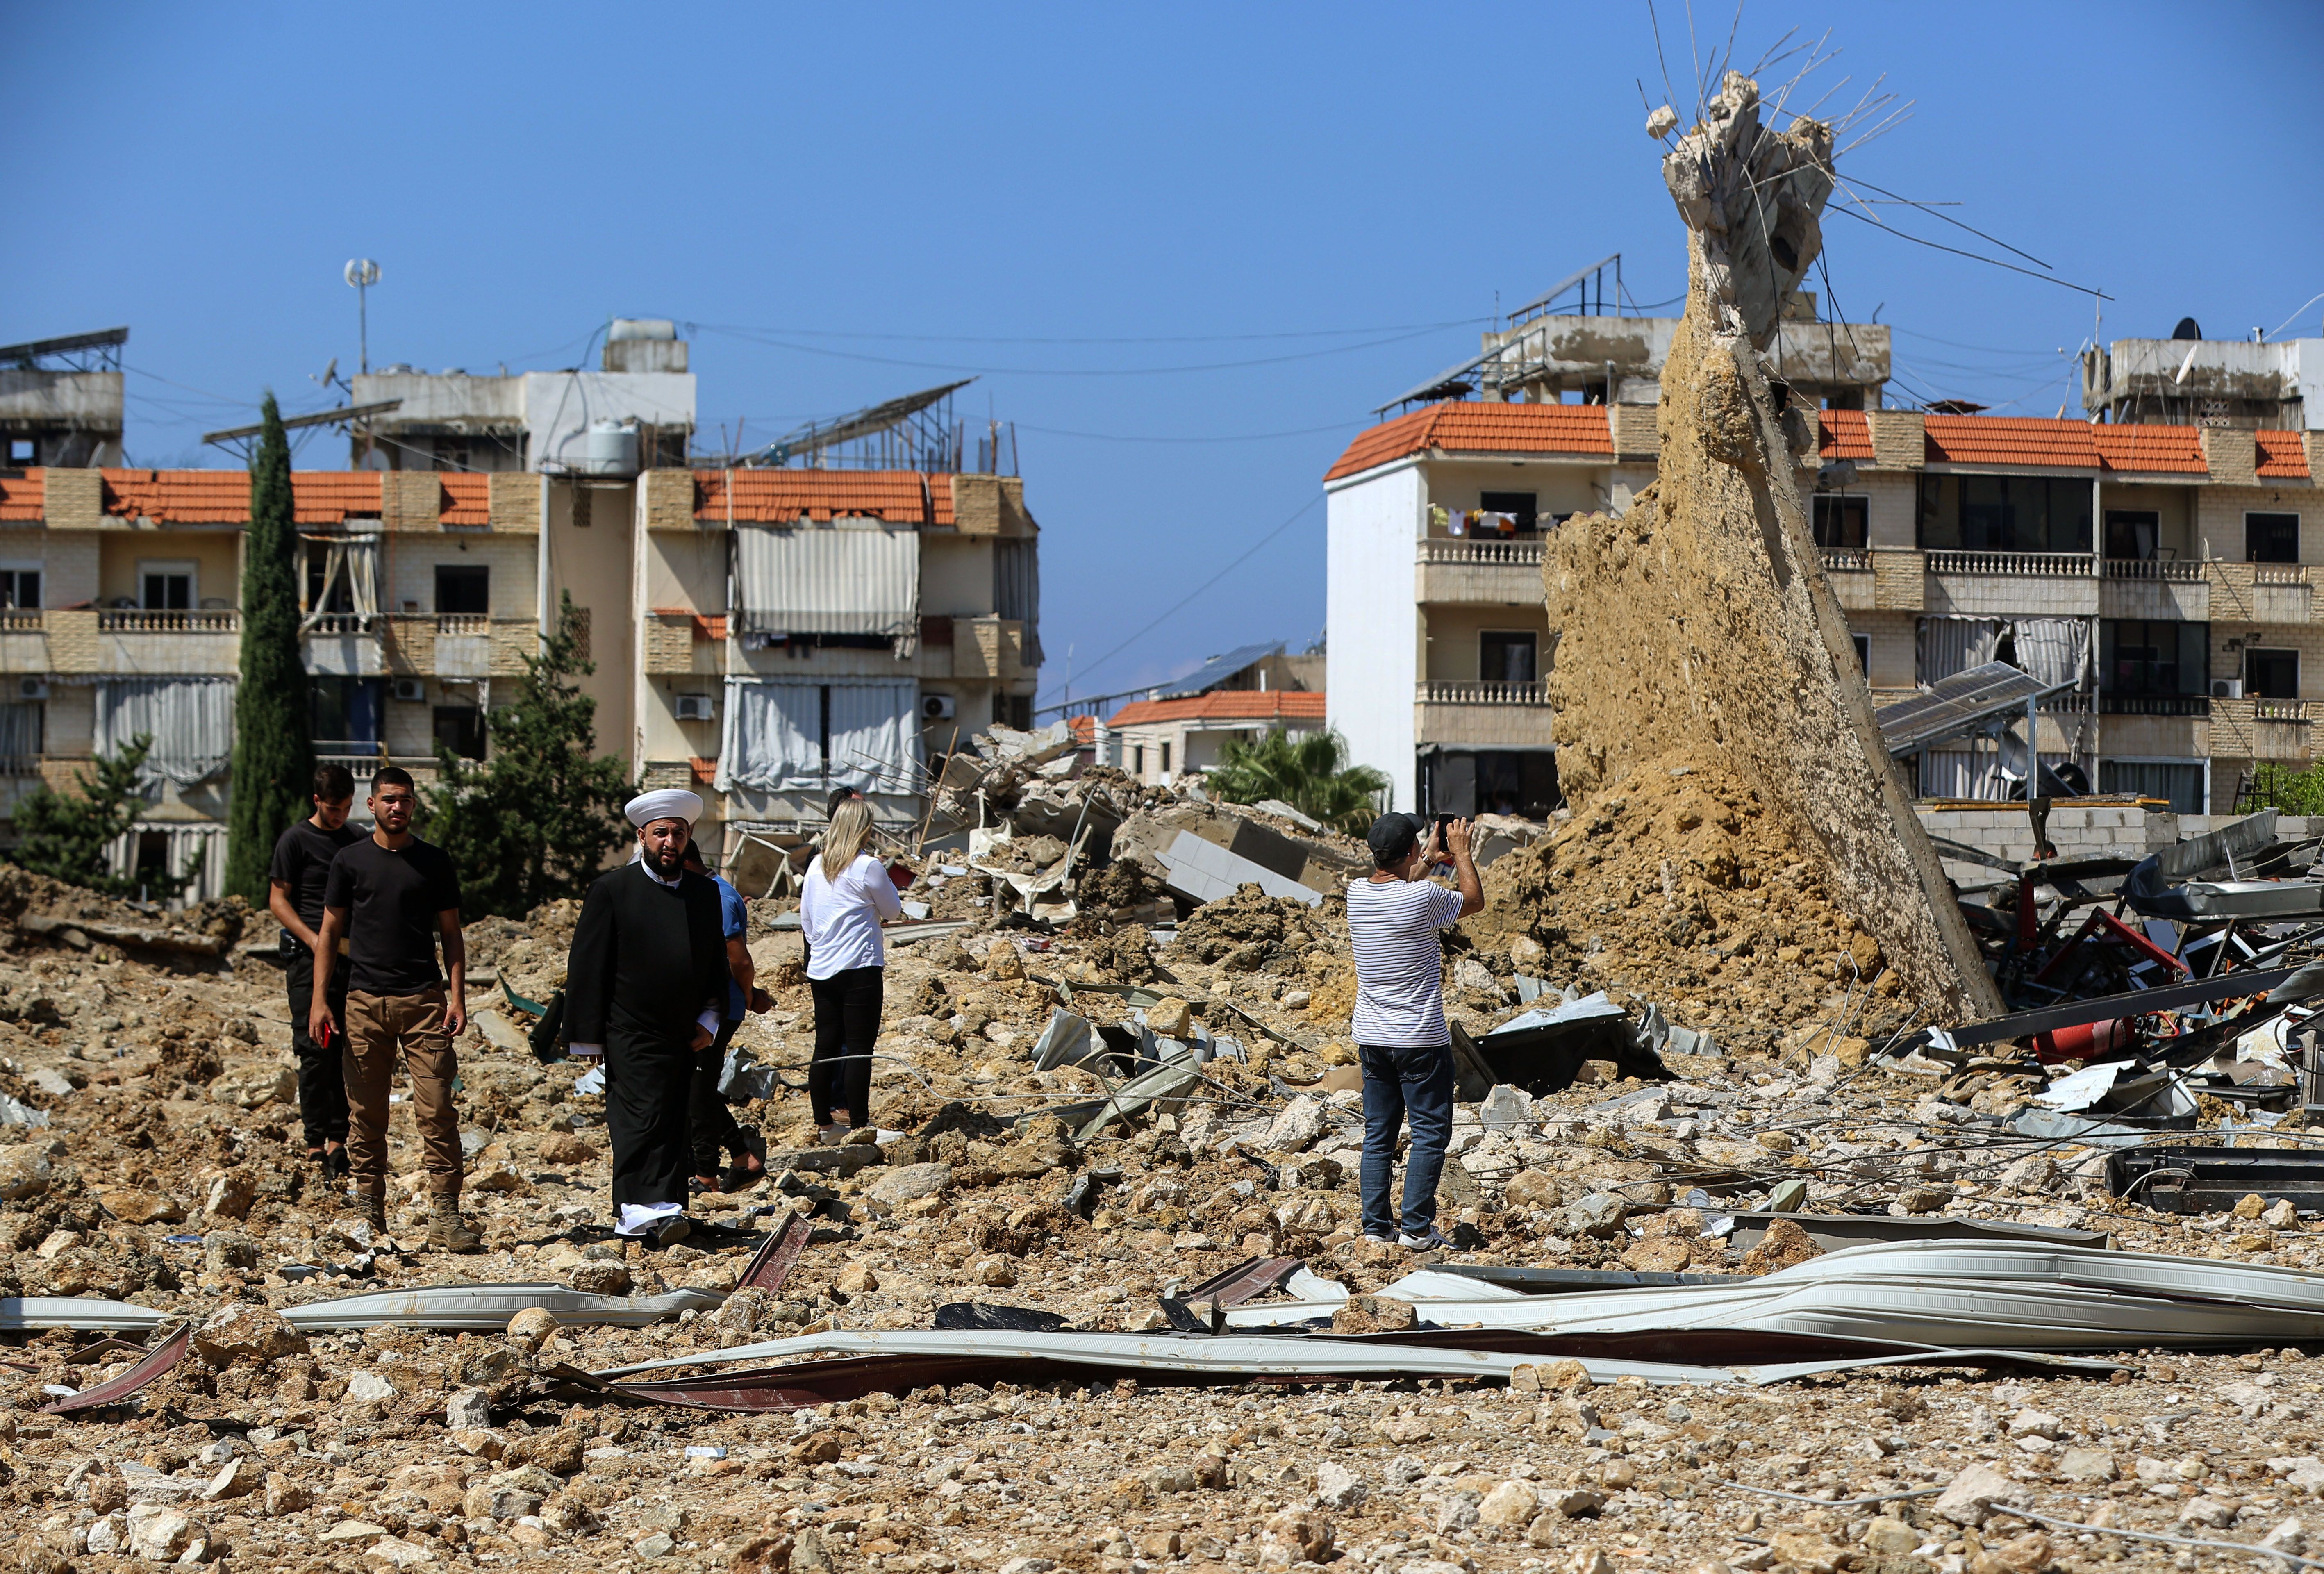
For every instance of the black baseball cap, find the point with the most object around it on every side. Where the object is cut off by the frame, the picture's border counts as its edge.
(1392, 837)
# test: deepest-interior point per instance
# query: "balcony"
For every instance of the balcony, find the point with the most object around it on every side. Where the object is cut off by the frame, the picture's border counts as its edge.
(1499, 573)
(2154, 704)
(344, 645)
(2062, 584)
(190, 643)
(20, 621)
(2259, 593)
(125, 622)
(2012, 564)
(2170, 570)
(2261, 729)
(1845, 560)
(1467, 712)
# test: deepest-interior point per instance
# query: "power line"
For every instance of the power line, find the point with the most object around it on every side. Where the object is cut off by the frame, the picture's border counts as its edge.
(1067, 372)
(1172, 610)
(1150, 339)
(1244, 437)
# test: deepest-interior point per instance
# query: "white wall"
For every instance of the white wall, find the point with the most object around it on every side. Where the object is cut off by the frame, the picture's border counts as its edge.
(559, 406)
(1373, 621)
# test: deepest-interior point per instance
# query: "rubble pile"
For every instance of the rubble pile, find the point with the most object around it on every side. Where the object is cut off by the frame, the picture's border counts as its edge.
(1674, 883)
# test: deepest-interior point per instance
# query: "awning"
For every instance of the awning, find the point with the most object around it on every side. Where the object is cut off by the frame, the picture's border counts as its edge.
(810, 736)
(852, 576)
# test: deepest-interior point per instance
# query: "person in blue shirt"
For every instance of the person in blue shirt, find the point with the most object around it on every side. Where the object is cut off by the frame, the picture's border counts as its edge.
(713, 1127)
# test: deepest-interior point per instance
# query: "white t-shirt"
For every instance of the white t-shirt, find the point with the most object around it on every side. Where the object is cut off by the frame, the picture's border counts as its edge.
(841, 917)
(1393, 925)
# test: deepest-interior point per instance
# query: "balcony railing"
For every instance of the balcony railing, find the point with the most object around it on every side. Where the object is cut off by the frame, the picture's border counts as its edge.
(1455, 691)
(1845, 559)
(363, 766)
(137, 623)
(2154, 704)
(2280, 574)
(1498, 554)
(2281, 711)
(2172, 570)
(342, 624)
(2012, 564)
(462, 623)
(2068, 703)
(20, 620)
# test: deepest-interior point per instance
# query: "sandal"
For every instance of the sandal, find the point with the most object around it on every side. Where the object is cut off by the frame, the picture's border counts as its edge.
(700, 1184)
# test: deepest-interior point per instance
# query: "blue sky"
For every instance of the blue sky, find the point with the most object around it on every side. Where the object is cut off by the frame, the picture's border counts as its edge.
(1186, 248)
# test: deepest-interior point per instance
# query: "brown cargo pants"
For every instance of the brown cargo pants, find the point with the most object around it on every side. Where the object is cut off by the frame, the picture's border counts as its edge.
(378, 1025)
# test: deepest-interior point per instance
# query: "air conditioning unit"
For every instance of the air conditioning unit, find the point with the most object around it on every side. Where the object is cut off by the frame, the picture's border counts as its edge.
(694, 707)
(937, 707)
(411, 690)
(32, 688)
(2226, 688)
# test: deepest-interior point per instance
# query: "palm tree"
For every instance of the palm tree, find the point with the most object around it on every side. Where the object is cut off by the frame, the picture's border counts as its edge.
(1311, 774)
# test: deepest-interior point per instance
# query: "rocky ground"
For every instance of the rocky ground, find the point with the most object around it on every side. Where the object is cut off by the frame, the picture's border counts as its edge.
(165, 1170)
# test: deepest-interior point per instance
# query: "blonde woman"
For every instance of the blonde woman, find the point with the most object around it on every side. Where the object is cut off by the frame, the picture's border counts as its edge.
(848, 893)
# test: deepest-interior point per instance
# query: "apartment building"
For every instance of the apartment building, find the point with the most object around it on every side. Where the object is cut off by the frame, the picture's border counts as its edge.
(2162, 574)
(764, 635)
(1237, 696)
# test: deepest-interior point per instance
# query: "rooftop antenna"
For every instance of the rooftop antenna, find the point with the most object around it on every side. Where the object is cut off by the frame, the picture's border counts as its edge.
(361, 273)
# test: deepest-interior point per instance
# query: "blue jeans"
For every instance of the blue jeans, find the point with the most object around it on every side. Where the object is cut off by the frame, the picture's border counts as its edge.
(1403, 1083)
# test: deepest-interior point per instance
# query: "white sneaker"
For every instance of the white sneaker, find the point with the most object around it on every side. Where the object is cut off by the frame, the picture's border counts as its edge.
(1429, 1242)
(1382, 1239)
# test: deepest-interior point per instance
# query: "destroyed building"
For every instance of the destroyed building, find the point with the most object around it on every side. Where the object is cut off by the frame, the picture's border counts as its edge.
(1180, 727)
(877, 617)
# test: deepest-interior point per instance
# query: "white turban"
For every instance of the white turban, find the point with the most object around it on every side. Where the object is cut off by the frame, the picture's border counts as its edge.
(664, 804)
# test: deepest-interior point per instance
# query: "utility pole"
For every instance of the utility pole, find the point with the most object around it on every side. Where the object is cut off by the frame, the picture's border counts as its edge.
(361, 273)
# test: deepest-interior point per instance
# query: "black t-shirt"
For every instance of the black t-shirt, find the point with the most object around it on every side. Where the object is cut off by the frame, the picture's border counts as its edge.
(302, 861)
(393, 898)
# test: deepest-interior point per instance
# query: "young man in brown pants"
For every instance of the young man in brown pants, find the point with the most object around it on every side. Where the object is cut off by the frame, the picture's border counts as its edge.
(391, 895)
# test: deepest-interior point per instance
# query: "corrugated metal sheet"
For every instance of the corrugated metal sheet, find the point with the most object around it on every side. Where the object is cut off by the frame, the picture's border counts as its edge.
(853, 576)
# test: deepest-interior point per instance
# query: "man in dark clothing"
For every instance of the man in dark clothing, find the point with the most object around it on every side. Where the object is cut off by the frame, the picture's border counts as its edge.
(295, 880)
(645, 985)
(714, 1129)
(392, 894)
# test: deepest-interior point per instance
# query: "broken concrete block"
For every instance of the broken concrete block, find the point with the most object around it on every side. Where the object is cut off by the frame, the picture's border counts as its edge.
(1170, 1018)
(1507, 1107)
(159, 1533)
(597, 1277)
(1531, 1188)
(1658, 1255)
(2281, 1215)
(910, 1183)
(251, 1335)
(231, 1195)
(1297, 1126)
(1889, 1538)
(1510, 1505)
(1599, 1215)
(2039, 1424)
(2087, 1465)
(531, 1327)
(25, 1173)
(1973, 1495)
(1374, 1314)
(468, 1409)
(1337, 1487)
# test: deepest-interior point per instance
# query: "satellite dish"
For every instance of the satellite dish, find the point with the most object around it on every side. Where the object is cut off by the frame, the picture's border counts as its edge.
(2188, 327)
(360, 273)
(330, 373)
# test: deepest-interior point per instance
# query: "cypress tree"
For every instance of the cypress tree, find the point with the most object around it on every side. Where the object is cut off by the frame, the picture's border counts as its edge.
(274, 757)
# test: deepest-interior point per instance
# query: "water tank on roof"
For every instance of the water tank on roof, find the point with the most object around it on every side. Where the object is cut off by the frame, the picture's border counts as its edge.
(2188, 328)
(642, 327)
(609, 448)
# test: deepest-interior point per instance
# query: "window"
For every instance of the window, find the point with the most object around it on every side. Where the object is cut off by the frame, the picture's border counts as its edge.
(23, 451)
(461, 729)
(1863, 644)
(1137, 762)
(463, 590)
(1526, 505)
(166, 587)
(2180, 781)
(2272, 674)
(1165, 759)
(20, 732)
(2270, 538)
(1841, 521)
(2131, 534)
(20, 588)
(343, 714)
(2153, 667)
(2004, 513)
(1505, 656)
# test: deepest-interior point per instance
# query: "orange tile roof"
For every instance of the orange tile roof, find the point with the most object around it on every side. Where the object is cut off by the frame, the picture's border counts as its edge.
(778, 497)
(1083, 728)
(222, 497)
(1475, 426)
(467, 500)
(1843, 434)
(2282, 457)
(23, 497)
(1238, 705)
(2176, 449)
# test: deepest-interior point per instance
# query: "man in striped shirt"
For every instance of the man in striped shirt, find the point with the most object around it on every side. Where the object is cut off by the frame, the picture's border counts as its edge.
(1394, 920)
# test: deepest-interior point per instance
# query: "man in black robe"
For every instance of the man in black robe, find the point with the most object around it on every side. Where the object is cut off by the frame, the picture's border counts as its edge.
(644, 986)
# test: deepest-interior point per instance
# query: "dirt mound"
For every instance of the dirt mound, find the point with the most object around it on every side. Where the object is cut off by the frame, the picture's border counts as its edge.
(1676, 882)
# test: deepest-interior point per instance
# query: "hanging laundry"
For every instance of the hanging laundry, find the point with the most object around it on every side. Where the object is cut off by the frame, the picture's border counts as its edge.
(1439, 517)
